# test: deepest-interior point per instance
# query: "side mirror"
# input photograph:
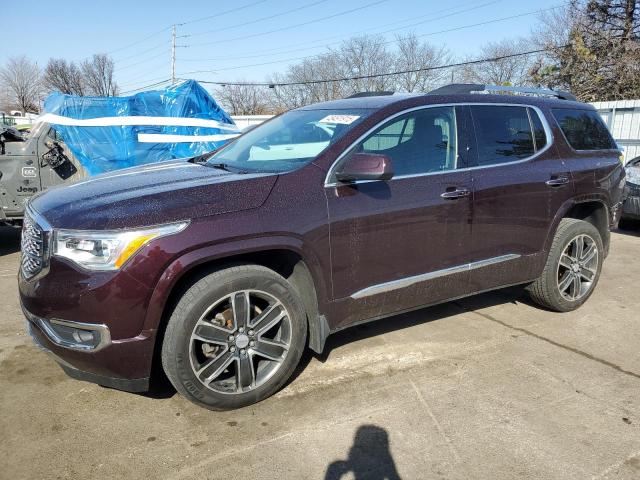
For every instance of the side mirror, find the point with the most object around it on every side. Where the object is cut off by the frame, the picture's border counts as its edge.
(365, 166)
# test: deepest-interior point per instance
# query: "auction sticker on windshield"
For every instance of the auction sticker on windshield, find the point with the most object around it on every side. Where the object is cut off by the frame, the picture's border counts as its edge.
(341, 119)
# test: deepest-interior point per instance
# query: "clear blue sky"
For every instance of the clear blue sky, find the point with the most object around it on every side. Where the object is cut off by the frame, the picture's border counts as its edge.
(137, 33)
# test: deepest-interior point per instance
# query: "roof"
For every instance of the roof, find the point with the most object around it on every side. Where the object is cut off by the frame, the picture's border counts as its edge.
(411, 99)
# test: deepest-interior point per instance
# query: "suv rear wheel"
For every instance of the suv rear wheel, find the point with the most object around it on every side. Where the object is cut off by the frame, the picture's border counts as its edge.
(572, 269)
(234, 338)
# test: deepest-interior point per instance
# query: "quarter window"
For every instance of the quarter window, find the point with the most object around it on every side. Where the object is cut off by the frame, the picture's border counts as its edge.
(503, 133)
(584, 129)
(422, 141)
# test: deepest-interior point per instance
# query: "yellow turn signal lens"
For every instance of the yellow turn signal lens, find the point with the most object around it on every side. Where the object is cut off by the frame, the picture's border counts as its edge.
(133, 246)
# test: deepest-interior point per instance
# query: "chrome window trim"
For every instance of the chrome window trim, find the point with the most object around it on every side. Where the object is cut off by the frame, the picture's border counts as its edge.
(408, 281)
(545, 125)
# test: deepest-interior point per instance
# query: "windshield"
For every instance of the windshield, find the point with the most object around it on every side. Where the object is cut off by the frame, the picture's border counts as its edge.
(287, 142)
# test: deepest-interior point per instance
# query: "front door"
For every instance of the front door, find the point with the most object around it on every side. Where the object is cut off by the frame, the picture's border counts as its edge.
(402, 243)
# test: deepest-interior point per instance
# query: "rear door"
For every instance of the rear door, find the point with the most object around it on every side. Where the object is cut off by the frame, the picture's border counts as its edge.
(519, 184)
(404, 243)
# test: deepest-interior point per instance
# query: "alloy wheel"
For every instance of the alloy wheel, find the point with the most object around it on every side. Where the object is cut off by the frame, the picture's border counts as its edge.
(240, 341)
(577, 267)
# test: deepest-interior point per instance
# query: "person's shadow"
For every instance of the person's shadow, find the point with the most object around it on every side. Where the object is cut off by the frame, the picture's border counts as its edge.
(369, 457)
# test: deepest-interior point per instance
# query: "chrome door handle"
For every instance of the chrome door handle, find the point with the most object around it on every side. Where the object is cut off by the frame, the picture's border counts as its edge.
(453, 194)
(557, 182)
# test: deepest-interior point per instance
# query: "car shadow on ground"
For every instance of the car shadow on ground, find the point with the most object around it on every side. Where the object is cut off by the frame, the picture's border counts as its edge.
(9, 240)
(629, 227)
(369, 457)
(421, 316)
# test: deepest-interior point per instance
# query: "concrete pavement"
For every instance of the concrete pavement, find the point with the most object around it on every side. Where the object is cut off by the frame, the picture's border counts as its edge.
(487, 387)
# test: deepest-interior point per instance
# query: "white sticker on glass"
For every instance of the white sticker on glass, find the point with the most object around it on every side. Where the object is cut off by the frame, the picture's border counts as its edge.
(341, 119)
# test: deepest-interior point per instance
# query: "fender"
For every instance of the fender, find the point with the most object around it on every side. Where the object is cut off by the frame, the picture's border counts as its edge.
(566, 207)
(187, 262)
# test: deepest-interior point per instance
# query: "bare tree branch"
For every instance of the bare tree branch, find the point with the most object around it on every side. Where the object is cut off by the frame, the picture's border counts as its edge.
(98, 76)
(22, 77)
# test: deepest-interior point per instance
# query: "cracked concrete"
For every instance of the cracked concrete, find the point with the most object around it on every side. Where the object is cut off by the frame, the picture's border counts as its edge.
(485, 387)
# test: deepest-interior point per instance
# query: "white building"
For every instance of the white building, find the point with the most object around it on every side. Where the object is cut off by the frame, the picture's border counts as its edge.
(623, 119)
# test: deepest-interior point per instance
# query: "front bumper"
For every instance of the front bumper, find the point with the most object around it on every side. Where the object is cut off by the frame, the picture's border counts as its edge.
(110, 365)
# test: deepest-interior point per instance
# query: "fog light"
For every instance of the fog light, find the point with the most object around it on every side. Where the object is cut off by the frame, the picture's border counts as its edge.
(72, 336)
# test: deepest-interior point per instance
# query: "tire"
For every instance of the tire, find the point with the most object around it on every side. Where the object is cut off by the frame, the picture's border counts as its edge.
(212, 339)
(557, 288)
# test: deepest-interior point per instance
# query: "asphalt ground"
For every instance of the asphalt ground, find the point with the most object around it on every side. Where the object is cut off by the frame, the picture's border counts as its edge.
(486, 387)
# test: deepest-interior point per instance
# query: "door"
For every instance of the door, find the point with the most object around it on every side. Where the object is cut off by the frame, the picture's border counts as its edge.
(57, 163)
(402, 243)
(519, 184)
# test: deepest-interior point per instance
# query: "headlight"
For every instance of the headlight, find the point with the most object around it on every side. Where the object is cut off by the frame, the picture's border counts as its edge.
(107, 249)
(633, 174)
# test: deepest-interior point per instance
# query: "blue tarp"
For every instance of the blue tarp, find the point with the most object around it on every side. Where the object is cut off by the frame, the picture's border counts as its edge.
(109, 133)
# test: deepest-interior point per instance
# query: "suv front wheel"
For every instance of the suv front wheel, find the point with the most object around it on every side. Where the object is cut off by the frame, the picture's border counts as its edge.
(572, 269)
(234, 338)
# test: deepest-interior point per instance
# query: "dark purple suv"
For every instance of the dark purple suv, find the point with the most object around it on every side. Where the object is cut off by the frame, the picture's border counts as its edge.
(223, 268)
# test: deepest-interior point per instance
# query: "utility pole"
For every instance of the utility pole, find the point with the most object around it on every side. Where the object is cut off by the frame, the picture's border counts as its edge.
(173, 54)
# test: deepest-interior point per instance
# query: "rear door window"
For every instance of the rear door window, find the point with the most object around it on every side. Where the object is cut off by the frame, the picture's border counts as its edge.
(584, 129)
(503, 133)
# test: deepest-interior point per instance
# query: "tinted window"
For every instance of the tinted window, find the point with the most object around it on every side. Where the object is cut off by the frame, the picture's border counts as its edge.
(539, 134)
(423, 141)
(503, 134)
(584, 129)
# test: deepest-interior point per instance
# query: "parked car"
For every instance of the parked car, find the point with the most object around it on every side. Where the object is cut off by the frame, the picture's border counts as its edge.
(631, 207)
(223, 268)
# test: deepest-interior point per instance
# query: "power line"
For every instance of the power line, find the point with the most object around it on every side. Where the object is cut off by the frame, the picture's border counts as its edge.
(155, 47)
(147, 60)
(270, 17)
(133, 44)
(168, 80)
(379, 44)
(289, 27)
(377, 75)
(261, 53)
(217, 15)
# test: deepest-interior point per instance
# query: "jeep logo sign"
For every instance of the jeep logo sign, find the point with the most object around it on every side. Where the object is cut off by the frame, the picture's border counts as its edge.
(29, 172)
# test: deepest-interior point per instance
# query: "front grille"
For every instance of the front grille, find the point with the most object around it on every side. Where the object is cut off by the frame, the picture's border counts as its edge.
(634, 190)
(34, 247)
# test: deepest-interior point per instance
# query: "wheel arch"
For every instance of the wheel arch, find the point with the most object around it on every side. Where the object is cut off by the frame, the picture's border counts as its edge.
(287, 261)
(592, 210)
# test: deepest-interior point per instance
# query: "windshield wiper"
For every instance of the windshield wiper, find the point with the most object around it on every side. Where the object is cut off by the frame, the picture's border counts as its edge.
(226, 167)
(220, 166)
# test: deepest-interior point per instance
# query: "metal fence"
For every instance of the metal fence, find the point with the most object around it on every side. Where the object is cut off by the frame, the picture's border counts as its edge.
(623, 119)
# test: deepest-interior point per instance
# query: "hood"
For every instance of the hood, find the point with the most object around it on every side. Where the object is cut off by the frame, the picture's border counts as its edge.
(153, 194)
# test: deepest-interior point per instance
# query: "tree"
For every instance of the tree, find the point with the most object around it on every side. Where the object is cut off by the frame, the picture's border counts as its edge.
(98, 76)
(594, 49)
(369, 60)
(413, 55)
(511, 71)
(243, 99)
(22, 78)
(64, 77)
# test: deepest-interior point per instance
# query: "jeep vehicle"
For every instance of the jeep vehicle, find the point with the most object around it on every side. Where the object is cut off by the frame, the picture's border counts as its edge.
(30, 165)
(221, 269)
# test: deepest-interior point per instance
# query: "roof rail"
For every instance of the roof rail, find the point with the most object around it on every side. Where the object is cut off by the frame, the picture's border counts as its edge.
(369, 94)
(462, 88)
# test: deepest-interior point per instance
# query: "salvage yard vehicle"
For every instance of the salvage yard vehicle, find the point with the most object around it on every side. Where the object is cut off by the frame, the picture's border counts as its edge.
(223, 268)
(631, 207)
(78, 137)
(29, 165)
